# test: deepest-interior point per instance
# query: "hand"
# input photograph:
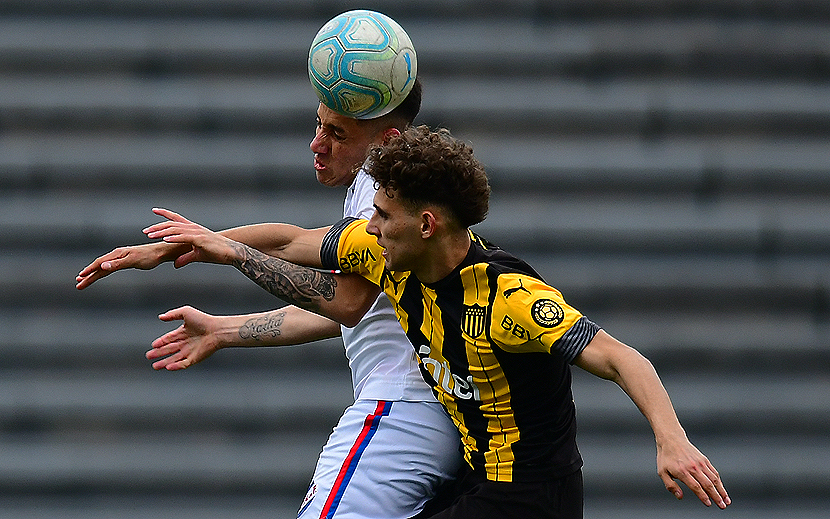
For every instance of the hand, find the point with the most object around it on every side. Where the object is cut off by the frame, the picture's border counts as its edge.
(680, 460)
(144, 257)
(206, 246)
(190, 343)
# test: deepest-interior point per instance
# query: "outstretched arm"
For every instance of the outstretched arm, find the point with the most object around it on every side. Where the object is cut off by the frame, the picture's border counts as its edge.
(284, 241)
(343, 298)
(201, 335)
(281, 240)
(145, 257)
(677, 458)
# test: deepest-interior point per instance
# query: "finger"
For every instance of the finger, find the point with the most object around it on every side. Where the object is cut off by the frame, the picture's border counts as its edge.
(162, 364)
(163, 358)
(166, 344)
(696, 481)
(725, 499)
(671, 485)
(96, 265)
(83, 282)
(173, 363)
(181, 364)
(103, 268)
(173, 234)
(170, 215)
(158, 229)
(184, 259)
(714, 486)
(89, 269)
(110, 266)
(166, 355)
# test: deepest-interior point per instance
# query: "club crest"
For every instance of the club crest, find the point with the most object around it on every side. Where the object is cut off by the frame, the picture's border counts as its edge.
(473, 320)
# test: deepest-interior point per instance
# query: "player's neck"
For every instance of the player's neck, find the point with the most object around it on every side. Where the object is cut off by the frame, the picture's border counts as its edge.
(445, 253)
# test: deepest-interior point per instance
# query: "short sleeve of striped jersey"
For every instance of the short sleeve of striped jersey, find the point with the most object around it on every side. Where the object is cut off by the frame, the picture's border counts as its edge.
(528, 315)
(347, 247)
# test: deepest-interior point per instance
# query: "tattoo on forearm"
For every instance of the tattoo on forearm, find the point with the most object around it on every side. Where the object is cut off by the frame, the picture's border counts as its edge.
(300, 286)
(268, 325)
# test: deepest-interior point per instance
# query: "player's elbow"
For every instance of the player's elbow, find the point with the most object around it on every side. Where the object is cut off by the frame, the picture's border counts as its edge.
(350, 321)
(355, 296)
(352, 313)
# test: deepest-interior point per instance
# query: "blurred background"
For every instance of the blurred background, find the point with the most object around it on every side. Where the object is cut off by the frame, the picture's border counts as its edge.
(664, 163)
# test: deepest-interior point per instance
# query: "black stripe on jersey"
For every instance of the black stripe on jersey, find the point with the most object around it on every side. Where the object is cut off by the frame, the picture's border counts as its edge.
(328, 250)
(412, 303)
(450, 301)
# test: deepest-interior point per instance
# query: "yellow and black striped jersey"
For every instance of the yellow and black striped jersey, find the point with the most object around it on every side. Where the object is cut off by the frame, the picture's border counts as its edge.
(495, 342)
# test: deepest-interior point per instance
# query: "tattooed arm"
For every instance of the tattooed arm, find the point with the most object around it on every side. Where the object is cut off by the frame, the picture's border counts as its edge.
(342, 298)
(201, 335)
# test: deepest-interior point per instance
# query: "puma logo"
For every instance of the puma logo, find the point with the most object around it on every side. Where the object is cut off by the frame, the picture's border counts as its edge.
(510, 291)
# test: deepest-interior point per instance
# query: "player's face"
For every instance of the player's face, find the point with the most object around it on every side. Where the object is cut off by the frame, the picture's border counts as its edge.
(398, 231)
(340, 146)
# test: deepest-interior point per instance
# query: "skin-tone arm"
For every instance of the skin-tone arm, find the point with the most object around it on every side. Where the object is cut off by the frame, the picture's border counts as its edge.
(201, 335)
(285, 241)
(677, 458)
(342, 298)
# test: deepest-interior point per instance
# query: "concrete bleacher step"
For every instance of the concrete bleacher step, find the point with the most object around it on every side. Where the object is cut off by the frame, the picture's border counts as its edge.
(177, 502)
(694, 45)
(158, 464)
(658, 505)
(89, 214)
(154, 457)
(649, 107)
(602, 9)
(654, 222)
(273, 396)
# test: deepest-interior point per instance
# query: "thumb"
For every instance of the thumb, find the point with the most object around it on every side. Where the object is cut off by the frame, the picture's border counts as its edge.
(184, 259)
(176, 314)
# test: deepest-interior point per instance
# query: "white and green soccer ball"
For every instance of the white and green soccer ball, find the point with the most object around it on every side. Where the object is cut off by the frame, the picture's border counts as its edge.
(362, 64)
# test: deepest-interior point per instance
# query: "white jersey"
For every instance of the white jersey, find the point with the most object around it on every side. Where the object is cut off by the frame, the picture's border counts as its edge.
(396, 445)
(381, 358)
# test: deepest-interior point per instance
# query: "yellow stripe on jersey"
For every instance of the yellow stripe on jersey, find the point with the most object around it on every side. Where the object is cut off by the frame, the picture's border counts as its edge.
(488, 376)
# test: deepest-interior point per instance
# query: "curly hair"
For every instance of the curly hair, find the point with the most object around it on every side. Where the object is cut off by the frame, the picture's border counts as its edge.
(427, 167)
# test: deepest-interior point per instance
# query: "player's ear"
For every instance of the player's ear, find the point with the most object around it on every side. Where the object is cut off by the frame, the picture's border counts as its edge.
(389, 133)
(428, 224)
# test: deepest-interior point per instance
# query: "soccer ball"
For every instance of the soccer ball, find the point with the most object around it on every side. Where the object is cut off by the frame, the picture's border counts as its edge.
(362, 64)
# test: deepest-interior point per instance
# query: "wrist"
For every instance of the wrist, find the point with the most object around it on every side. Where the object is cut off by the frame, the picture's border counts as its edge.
(168, 251)
(669, 435)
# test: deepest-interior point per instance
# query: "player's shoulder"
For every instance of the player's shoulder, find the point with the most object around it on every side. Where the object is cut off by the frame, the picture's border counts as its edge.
(498, 260)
